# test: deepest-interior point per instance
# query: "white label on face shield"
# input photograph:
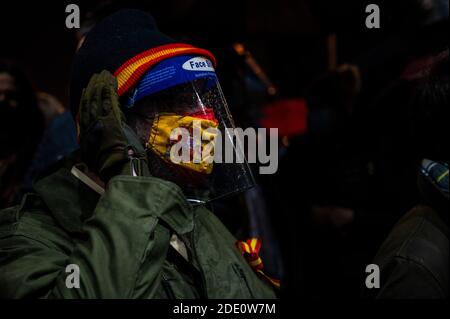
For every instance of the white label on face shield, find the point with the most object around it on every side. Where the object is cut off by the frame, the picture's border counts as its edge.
(198, 64)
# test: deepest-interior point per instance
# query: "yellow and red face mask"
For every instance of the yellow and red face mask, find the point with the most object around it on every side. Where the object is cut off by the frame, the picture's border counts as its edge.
(164, 124)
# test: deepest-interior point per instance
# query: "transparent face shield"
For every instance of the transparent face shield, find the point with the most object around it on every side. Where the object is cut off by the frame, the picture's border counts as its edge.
(188, 131)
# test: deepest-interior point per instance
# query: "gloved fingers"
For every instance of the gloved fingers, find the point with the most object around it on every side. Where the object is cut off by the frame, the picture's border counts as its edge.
(107, 101)
(109, 79)
(87, 97)
(87, 106)
(110, 102)
(111, 105)
(115, 107)
(95, 100)
(109, 95)
(101, 88)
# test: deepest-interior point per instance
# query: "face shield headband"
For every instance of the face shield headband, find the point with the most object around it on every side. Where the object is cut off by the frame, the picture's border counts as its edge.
(130, 73)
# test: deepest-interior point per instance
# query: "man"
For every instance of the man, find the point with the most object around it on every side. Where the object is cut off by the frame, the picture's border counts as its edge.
(125, 232)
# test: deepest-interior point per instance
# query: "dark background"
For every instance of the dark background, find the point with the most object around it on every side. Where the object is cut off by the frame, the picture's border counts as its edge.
(287, 37)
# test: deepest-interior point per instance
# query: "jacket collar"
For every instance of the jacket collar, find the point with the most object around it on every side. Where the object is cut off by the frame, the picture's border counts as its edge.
(71, 201)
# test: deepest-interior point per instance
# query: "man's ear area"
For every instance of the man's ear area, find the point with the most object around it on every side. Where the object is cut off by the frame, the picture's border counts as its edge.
(141, 124)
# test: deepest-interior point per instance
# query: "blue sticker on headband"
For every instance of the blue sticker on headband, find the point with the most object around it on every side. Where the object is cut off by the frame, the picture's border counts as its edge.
(171, 72)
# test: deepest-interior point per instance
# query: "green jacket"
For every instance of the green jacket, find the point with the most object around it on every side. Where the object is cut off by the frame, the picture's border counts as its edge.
(120, 242)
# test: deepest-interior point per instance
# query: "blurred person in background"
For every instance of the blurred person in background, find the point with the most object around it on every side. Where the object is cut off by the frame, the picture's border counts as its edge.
(21, 129)
(59, 139)
(414, 259)
(354, 168)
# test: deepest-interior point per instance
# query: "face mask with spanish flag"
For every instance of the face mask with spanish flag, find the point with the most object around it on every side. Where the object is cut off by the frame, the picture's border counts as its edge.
(160, 141)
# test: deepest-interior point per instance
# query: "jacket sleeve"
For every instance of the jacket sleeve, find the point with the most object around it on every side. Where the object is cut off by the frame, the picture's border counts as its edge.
(404, 278)
(115, 242)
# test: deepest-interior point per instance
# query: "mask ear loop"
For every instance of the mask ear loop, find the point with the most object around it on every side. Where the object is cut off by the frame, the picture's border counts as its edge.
(153, 133)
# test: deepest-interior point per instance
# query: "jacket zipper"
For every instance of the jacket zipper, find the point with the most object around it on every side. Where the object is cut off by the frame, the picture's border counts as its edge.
(202, 276)
(244, 278)
(167, 288)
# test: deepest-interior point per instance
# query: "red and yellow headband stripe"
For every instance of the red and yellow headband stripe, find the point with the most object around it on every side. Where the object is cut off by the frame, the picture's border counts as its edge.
(133, 69)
